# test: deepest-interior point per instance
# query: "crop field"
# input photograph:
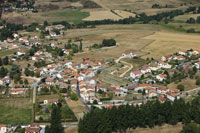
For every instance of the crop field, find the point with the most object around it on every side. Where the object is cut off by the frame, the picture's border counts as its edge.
(15, 111)
(166, 43)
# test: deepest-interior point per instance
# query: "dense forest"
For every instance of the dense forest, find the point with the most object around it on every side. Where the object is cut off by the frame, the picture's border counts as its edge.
(147, 115)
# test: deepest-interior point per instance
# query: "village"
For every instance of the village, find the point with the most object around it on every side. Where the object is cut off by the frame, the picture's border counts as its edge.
(50, 72)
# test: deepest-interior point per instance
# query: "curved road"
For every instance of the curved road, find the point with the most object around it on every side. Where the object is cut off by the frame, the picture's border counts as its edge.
(126, 63)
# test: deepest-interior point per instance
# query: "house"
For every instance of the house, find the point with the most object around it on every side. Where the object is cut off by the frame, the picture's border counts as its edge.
(1, 82)
(195, 52)
(3, 129)
(136, 74)
(51, 101)
(67, 51)
(33, 128)
(161, 99)
(197, 65)
(181, 53)
(172, 96)
(58, 27)
(175, 91)
(154, 66)
(141, 87)
(50, 81)
(165, 58)
(20, 52)
(145, 70)
(162, 90)
(161, 77)
(152, 93)
(63, 85)
(164, 65)
(179, 58)
(129, 53)
(17, 91)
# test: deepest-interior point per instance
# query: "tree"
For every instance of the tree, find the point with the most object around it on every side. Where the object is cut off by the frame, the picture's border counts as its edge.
(198, 81)
(1, 63)
(16, 77)
(81, 46)
(26, 72)
(3, 72)
(5, 60)
(180, 87)
(69, 57)
(56, 126)
(198, 20)
(21, 81)
(74, 97)
(190, 21)
(190, 128)
(26, 82)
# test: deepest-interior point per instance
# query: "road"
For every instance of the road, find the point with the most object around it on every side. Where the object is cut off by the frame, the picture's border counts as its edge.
(126, 63)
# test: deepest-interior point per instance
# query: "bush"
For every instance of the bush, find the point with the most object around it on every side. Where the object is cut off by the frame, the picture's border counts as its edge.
(74, 97)
(180, 87)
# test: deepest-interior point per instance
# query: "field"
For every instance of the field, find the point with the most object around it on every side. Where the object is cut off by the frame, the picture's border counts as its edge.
(101, 15)
(128, 36)
(184, 18)
(10, 51)
(163, 129)
(15, 111)
(189, 84)
(77, 107)
(166, 43)
(74, 16)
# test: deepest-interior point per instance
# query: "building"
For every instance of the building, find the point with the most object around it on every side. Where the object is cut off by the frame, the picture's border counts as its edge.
(136, 74)
(161, 77)
(129, 53)
(3, 129)
(17, 91)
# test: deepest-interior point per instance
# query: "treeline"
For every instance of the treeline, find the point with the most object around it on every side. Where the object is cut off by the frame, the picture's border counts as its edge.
(193, 21)
(105, 43)
(147, 115)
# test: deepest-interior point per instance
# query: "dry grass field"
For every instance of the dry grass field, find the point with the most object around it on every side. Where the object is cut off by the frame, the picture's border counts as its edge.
(128, 36)
(184, 18)
(71, 130)
(77, 107)
(163, 129)
(166, 43)
(189, 84)
(124, 14)
(99, 14)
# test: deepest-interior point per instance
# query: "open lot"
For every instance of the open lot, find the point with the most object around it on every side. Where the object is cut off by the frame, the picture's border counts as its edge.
(166, 43)
(77, 107)
(15, 111)
(163, 129)
(189, 84)
(128, 36)
(7, 52)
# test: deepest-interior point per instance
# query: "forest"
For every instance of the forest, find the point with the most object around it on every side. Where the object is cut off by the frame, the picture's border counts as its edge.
(121, 118)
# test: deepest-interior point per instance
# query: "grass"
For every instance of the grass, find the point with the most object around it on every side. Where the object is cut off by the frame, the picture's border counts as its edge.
(13, 112)
(74, 16)
(9, 52)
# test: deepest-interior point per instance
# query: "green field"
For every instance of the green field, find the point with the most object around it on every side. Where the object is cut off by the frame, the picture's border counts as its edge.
(15, 111)
(74, 16)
